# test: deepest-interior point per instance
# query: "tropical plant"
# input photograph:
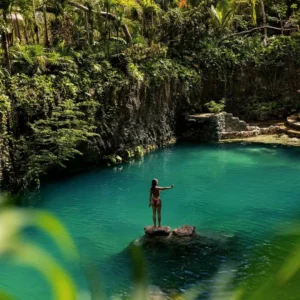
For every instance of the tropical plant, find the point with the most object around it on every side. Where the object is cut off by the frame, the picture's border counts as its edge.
(76, 52)
(5, 6)
(214, 107)
(226, 11)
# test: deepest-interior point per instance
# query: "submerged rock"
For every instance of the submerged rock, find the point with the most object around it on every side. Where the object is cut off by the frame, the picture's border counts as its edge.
(179, 260)
(185, 237)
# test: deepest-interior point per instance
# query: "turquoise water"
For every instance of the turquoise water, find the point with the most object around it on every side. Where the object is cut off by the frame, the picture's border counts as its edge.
(240, 190)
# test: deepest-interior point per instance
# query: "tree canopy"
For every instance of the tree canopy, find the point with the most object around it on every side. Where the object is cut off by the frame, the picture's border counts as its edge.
(61, 59)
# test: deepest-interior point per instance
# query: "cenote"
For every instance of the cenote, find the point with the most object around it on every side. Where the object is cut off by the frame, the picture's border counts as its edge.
(242, 191)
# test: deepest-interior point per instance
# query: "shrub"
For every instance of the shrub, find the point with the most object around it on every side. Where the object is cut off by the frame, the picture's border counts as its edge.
(214, 107)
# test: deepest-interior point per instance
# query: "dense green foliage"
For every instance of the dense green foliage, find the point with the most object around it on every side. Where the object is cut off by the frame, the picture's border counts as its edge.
(66, 65)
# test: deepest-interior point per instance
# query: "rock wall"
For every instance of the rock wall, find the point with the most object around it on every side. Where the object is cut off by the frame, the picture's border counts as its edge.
(233, 123)
(215, 127)
(293, 121)
(204, 127)
(140, 118)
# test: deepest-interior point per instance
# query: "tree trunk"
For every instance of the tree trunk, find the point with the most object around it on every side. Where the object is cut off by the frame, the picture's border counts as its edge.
(260, 28)
(104, 14)
(18, 32)
(47, 42)
(6, 51)
(36, 31)
(264, 22)
(26, 34)
(5, 45)
(87, 26)
(281, 24)
(32, 34)
(91, 29)
(36, 28)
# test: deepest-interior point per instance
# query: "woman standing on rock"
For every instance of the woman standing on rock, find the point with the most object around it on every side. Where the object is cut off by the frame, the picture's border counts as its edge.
(155, 200)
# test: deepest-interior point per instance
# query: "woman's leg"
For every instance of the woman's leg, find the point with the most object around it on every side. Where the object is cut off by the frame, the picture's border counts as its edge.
(159, 213)
(154, 214)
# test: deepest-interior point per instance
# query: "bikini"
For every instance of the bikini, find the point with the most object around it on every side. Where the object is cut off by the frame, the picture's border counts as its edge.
(156, 201)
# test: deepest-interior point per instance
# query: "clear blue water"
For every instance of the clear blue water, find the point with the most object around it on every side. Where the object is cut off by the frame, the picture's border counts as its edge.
(242, 190)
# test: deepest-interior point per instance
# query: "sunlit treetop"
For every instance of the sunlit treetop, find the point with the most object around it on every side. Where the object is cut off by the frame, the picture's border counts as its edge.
(183, 4)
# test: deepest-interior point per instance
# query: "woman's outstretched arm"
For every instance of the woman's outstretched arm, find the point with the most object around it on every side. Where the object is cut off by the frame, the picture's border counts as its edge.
(166, 188)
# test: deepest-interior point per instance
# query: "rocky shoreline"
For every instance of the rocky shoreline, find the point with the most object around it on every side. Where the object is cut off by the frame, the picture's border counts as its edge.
(225, 128)
(272, 139)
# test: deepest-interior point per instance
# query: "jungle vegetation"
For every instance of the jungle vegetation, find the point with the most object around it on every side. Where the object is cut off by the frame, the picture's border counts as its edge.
(61, 59)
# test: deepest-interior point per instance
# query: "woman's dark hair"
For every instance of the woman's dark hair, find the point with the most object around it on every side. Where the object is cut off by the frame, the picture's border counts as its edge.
(154, 183)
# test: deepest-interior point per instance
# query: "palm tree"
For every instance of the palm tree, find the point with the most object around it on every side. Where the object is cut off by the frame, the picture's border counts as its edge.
(5, 6)
(47, 42)
(36, 28)
(225, 10)
(107, 15)
(262, 5)
(150, 10)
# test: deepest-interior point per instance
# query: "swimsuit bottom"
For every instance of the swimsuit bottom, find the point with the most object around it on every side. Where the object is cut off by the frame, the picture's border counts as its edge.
(156, 202)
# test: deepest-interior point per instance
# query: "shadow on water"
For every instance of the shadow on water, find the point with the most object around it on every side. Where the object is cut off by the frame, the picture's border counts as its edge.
(176, 267)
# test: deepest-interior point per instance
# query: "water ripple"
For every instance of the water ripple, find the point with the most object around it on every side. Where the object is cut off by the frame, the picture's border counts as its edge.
(243, 191)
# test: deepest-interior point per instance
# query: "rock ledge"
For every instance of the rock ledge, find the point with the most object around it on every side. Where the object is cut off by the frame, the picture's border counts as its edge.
(157, 231)
(184, 231)
(182, 238)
